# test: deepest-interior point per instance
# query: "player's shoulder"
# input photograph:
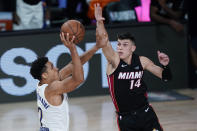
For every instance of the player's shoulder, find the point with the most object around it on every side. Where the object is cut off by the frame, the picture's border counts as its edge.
(144, 61)
(143, 58)
(53, 85)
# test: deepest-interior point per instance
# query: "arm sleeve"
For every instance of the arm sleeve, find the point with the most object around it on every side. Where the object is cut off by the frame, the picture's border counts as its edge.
(166, 74)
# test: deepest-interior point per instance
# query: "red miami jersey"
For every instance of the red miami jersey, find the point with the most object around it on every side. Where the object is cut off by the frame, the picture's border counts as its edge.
(127, 89)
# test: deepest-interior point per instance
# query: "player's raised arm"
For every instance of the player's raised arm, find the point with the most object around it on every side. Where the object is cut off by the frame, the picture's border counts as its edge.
(102, 36)
(163, 72)
(70, 83)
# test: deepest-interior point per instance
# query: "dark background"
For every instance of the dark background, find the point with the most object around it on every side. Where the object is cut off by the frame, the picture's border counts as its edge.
(149, 39)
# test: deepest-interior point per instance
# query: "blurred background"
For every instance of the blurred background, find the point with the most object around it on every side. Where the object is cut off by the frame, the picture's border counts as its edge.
(30, 28)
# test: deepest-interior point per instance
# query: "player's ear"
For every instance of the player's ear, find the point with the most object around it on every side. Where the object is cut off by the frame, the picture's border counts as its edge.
(44, 75)
(133, 48)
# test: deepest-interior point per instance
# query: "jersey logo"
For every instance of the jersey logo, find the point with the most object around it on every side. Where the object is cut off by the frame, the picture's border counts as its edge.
(123, 65)
(146, 110)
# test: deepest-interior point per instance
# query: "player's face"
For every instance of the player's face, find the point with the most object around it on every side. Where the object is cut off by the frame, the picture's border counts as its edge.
(125, 48)
(52, 72)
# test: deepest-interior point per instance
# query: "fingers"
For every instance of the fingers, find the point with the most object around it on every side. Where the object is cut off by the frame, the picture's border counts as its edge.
(62, 36)
(98, 12)
(66, 39)
(67, 36)
(73, 38)
(158, 52)
(163, 58)
(161, 54)
(96, 5)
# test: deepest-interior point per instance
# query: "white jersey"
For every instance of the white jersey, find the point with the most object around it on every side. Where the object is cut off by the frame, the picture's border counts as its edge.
(56, 118)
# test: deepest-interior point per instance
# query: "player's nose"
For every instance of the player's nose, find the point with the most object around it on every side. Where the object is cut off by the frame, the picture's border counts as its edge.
(119, 47)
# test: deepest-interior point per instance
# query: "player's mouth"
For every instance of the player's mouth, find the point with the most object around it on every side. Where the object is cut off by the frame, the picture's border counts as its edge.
(120, 53)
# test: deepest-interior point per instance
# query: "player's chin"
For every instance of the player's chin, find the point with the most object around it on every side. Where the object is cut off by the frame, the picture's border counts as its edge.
(121, 56)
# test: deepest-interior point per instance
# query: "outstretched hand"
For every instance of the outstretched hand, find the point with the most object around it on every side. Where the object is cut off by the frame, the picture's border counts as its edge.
(69, 43)
(98, 12)
(163, 58)
(101, 38)
(101, 33)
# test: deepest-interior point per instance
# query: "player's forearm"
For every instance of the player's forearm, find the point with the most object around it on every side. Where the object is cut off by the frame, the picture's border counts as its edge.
(99, 23)
(88, 54)
(164, 73)
(101, 27)
(109, 53)
(158, 72)
(101, 35)
(77, 71)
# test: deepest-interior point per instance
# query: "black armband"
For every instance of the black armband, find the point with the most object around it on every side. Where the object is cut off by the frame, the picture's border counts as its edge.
(166, 74)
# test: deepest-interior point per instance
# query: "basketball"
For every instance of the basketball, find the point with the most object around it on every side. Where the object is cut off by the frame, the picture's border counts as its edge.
(74, 27)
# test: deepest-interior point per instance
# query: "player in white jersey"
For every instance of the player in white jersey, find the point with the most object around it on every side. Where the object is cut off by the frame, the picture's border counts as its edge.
(56, 118)
(54, 84)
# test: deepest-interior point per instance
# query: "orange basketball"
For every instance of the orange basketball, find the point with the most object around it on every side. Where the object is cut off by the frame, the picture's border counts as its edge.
(74, 27)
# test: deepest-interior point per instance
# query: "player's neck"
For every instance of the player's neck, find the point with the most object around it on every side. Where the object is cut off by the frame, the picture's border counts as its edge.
(44, 82)
(128, 59)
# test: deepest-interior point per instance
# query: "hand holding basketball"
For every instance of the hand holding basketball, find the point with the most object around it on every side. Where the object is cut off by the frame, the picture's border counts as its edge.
(69, 43)
(74, 28)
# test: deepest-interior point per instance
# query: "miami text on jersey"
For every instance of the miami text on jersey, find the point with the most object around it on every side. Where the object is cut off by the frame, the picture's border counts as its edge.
(130, 75)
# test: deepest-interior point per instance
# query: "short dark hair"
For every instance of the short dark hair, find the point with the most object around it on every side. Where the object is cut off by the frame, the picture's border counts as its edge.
(38, 67)
(126, 35)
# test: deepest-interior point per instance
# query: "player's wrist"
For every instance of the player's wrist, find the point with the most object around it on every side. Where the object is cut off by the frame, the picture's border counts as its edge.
(166, 73)
(99, 21)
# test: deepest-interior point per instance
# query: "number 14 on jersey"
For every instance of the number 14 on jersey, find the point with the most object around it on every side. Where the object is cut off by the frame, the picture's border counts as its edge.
(135, 84)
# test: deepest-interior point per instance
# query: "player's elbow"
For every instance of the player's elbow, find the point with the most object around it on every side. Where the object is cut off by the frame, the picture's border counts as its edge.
(79, 78)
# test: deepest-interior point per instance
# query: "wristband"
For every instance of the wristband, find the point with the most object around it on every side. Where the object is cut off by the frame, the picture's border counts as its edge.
(166, 73)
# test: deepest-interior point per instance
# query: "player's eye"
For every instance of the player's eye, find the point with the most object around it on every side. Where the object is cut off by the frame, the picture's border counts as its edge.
(125, 45)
